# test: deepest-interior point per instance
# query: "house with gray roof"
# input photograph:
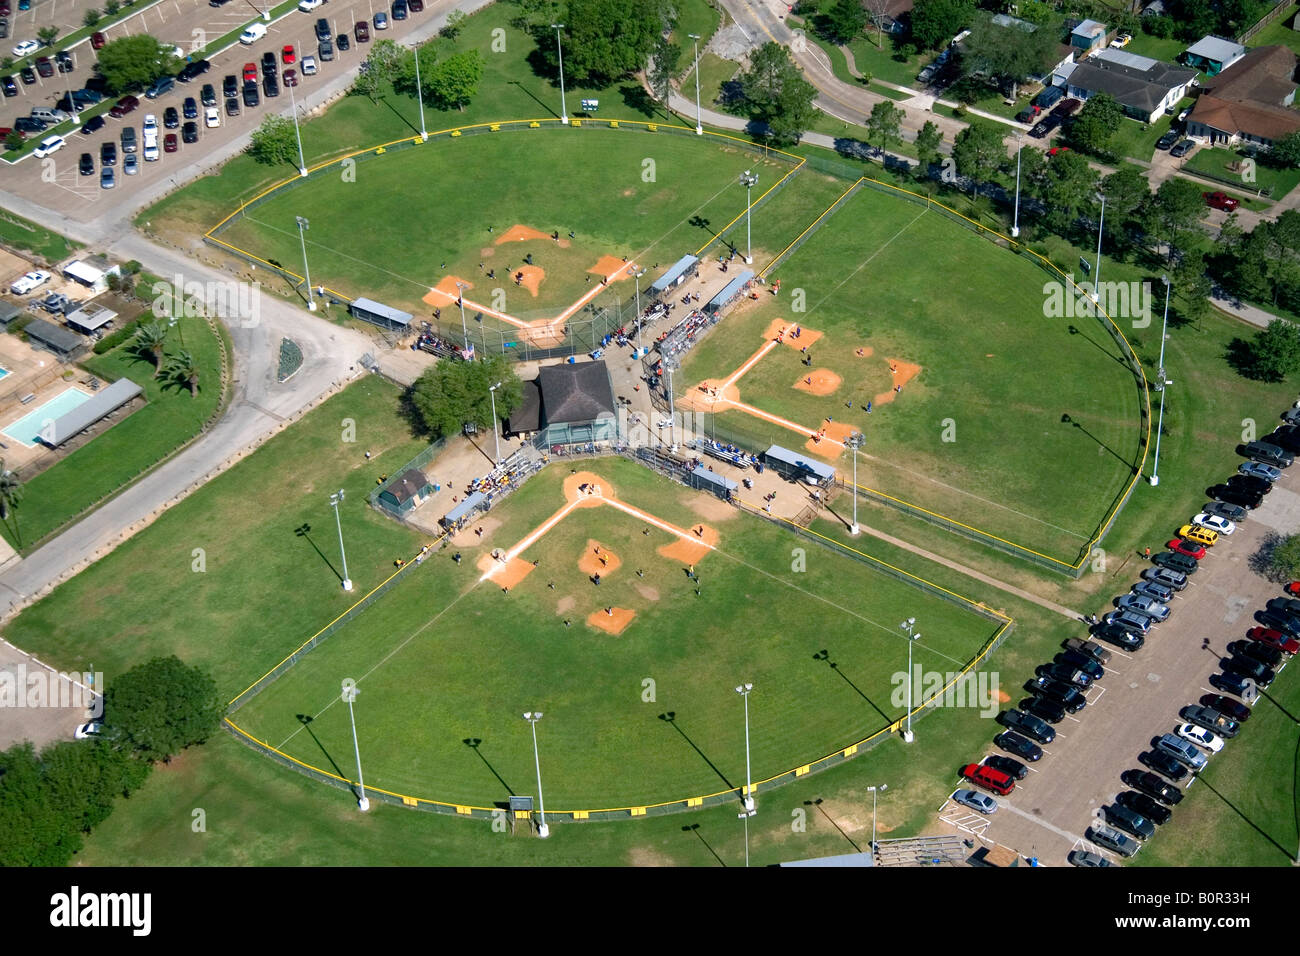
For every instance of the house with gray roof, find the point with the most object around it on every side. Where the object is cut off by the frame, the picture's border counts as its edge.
(1212, 55)
(1142, 86)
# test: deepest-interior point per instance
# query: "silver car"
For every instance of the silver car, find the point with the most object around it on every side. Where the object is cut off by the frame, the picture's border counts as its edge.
(1258, 469)
(975, 800)
(1154, 591)
(1144, 604)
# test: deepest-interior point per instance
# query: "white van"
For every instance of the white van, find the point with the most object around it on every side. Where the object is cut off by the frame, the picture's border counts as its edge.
(51, 144)
(151, 146)
(254, 33)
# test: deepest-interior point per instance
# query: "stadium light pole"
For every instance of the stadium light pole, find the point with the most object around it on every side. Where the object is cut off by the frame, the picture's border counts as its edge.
(1096, 273)
(460, 301)
(335, 501)
(350, 691)
(873, 790)
(419, 93)
(303, 225)
(559, 50)
(293, 108)
(496, 440)
(1015, 219)
(748, 179)
(743, 690)
(533, 716)
(699, 126)
(908, 627)
(1160, 372)
(631, 270)
(854, 442)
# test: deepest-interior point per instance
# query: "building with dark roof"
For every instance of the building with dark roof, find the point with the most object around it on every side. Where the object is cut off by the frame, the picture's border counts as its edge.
(1250, 101)
(567, 404)
(1142, 86)
(64, 343)
(406, 493)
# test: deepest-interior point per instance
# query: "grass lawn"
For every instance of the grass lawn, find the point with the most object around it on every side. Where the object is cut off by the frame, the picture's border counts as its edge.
(714, 71)
(880, 63)
(1138, 140)
(1274, 183)
(1278, 33)
(121, 453)
(265, 589)
(1144, 44)
(25, 235)
(700, 17)
(971, 436)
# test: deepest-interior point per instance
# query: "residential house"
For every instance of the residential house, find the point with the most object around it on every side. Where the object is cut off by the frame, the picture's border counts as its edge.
(1212, 55)
(1250, 101)
(1144, 87)
(1089, 35)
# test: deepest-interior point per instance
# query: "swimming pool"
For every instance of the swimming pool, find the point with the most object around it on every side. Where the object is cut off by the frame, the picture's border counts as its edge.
(27, 429)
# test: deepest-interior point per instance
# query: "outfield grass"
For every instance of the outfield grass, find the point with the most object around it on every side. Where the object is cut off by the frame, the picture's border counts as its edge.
(120, 454)
(978, 435)
(27, 236)
(754, 619)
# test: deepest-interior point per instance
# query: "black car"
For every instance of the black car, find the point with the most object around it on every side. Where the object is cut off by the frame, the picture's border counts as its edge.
(190, 132)
(87, 165)
(171, 118)
(1279, 621)
(93, 125)
(1286, 437)
(30, 124)
(65, 61)
(1046, 125)
(1067, 695)
(1041, 707)
(1261, 674)
(251, 97)
(1232, 709)
(1281, 605)
(342, 42)
(1119, 636)
(192, 70)
(1028, 725)
(232, 105)
(270, 87)
(399, 9)
(1176, 562)
(1065, 673)
(1236, 496)
(1224, 510)
(28, 75)
(1121, 816)
(1008, 765)
(1021, 746)
(1167, 141)
(322, 28)
(230, 85)
(1141, 804)
(1082, 662)
(269, 63)
(1153, 786)
(190, 108)
(1268, 656)
(9, 86)
(1251, 484)
(1234, 684)
(208, 96)
(108, 154)
(1162, 762)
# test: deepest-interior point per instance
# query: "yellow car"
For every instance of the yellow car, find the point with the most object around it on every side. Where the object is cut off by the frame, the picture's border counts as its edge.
(1194, 532)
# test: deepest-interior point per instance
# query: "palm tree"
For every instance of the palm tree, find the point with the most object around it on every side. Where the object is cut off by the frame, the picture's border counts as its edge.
(185, 370)
(11, 492)
(149, 340)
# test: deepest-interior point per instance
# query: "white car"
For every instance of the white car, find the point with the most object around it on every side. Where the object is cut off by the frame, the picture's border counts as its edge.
(26, 48)
(309, 66)
(50, 144)
(211, 118)
(254, 33)
(1201, 737)
(92, 729)
(307, 6)
(1214, 523)
(151, 150)
(150, 125)
(29, 282)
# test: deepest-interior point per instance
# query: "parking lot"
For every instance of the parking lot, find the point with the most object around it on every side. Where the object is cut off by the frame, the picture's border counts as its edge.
(1139, 698)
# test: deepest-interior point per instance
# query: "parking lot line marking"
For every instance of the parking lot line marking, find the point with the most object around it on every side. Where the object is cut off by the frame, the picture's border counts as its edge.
(1072, 837)
(1068, 717)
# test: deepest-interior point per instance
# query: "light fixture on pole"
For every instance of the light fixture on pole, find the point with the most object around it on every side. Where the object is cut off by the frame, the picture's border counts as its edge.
(672, 414)
(853, 443)
(909, 627)
(293, 108)
(533, 716)
(460, 301)
(1015, 219)
(1096, 273)
(699, 126)
(883, 787)
(303, 225)
(634, 273)
(336, 500)
(419, 93)
(564, 110)
(496, 439)
(743, 690)
(1161, 382)
(748, 179)
(350, 691)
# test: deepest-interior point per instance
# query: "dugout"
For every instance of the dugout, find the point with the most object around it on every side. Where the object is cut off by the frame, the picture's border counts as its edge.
(678, 272)
(407, 493)
(797, 466)
(703, 479)
(732, 291)
(463, 513)
(384, 316)
(577, 406)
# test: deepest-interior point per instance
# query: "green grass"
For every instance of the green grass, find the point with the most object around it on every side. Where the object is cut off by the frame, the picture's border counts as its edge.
(1144, 44)
(880, 63)
(27, 236)
(1279, 33)
(121, 453)
(700, 17)
(714, 71)
(870, 280)
(1274, 183)
(1138, 140)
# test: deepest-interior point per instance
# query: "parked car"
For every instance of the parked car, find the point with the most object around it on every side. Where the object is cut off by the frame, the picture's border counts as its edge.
(250, 72)
(1266, 635)
(415, 6)
(1090, 648)
(1141, 604)
(1144, 806)
(1044, 127)
(1064, 673)
(93, 125)
(988, 778)
(1188, 547)
(190, 108)
(1236, 496)
(1256, 469)
(1082, 858)
(97, 41)
(1220, 200)
(1153, 591)
(325, 50)
(1083, 662)
(1182, 148)
(1028, 725)
(1279, 621)
(255, 32)
(86, 166)
(44, 66)
(1211, 720)
(1129, 620)
(1233, 709)
(230, 85)
(151, 149)
(1199, 535)
(1175, 562)
(1223, 509)
(399, 9)
(1261, 674)
(251, 96)
(269, 64)
(1044, 709)
(208, 97)
(1233, 684)
(1184, 751)
(362, 31)
(307, 6)
(1163, 763)
(190, 132)
(172, 118)
(1112, 839)
(107, 178)
(1286, 437)
(1153, 786)
(170, 143)
(1214, 523)
(1009, 765)
(1173, 580)
(290, 77)
(160, 87)
(323, 28)
(30, 124)
(270, 87)
(1284, 605)
(1206, 739)
(126, 104)
(342, 42)
(381, 20)
(1250, 484)
(232, 105)
(976, 801)
(1268, 656)
(86, 731)
(1018, 744)
(211, 117)
(1125, 819)
(193, 70)
(309, 65)
(1067, 107)
(1028, 115)
(25, 48)
(130, 164)
(108, 154)
(288, 55)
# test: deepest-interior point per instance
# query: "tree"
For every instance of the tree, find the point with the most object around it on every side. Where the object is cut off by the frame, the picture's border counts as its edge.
(91, 18)
(1127, 193)
(161, 707)
(382, 66)
(149, 340)
(1097, 124)
(451, 29)
(11, 494)
(928, 139)
(1008, 55)
(453, 82)
(979, 151)
(1285, 559)
(1174, 212)
(1286, 151)
(185, 370)
(13, 140)
(605, 40)
(111, 7)
(1191, 287)
(1275, 351)
(47, 35)
(885, 124)
(132, 62)
(776, 93)
(879, 10)
(663, 67)
(1071, 188)
(845, 20)
(274, 142)
(451, 394)
(936, 22)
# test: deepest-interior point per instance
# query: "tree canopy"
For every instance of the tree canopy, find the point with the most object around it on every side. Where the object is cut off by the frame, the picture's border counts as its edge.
(133, 62)
(776, 93)
(936, 22)
(159, 708)
(605, 40)
(1007, 55)
(452, 394)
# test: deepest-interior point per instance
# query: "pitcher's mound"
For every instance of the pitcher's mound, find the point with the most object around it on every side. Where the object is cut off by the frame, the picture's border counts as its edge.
(518, 233)
(612, 623)
(821, 381)
(532, 277)
(596, 559)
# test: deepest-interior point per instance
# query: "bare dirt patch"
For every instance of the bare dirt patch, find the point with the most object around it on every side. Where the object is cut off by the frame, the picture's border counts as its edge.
(707, 506)
(903, 373)
(466, 538)
(597, 559)
(445, 291)
(566, 604)
(612, 268)
(518, 233)
(611, 620)
(783, 330)
(647, 592)
(530, 278)
(693, 548)
(821, 381)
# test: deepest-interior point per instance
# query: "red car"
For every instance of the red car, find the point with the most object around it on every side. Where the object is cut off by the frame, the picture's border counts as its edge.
(97, 40)
(1067, 107)
(988, 778)
(1293, 587)
(1189, 548)
(290, 77)
(287, 54)
(123, 106)
(415, 6)
(1057, 150)
(170, 145)
(250, 72)
(1274, 639)
(1218, 200)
